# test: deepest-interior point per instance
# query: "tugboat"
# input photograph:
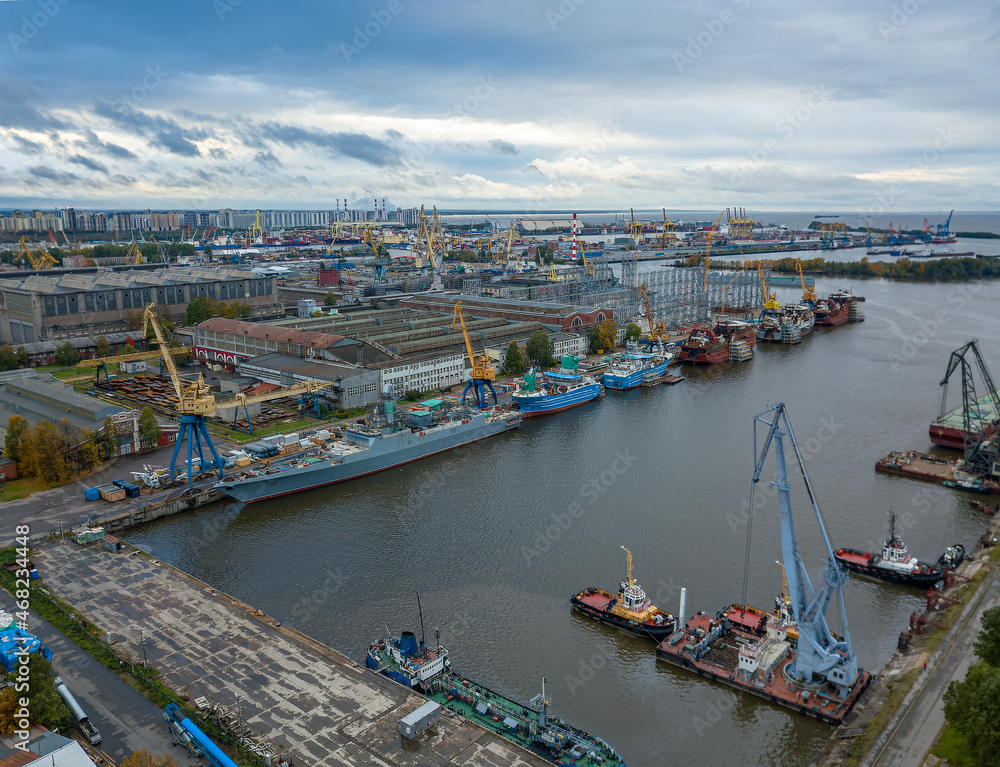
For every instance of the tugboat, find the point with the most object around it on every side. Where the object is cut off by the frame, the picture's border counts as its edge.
(428, 671)
(895, 563)
(629, 609)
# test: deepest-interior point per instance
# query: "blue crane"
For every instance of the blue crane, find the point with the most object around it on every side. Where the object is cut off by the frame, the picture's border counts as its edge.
(944, 230)
(820, 654)
(193, 738)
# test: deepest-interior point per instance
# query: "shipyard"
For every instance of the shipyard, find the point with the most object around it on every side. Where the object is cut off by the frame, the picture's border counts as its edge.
(413, 384)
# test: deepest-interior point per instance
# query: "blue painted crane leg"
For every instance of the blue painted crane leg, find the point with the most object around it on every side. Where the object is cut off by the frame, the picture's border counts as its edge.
(493, 391)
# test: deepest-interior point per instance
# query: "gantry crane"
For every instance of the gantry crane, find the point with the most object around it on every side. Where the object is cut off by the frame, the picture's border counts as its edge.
(300, 390)
(38, 260)
(134, 255)
(820, 655)
(256, 232)
(484, 373)
(101, 363)
(668, 231)
(980, 450)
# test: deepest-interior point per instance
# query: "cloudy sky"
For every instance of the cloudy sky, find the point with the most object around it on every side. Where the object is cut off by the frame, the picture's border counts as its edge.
(520, 104)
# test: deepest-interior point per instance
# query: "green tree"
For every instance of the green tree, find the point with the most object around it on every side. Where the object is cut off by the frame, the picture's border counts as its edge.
(103, 347)
(149, 429)
(972, 706)
(109, 439)
(47, 708)
(181, 359)
(12, 443)
(513, 361)
(632, 332)
(199, 310)
(8, 357)
(987, 644)
(608, 332)
(540, 349)
(594, 340)
(22, 357)
(330, 299)
(66, 354)
(208, 251)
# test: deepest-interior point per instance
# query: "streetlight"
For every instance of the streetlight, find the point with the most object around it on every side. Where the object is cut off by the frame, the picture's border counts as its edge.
(239, 715)
(142, 641)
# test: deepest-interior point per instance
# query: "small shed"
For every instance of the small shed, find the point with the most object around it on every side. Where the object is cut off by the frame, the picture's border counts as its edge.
(111, 543)
(414, 723)
(89, 535)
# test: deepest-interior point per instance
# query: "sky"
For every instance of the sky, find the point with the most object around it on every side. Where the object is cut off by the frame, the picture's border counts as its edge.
(868, 105)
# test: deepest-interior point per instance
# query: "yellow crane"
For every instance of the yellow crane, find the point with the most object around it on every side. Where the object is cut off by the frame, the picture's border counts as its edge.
(708, 249)
(668, 231)
(38, 260)
(134, 255)
(425, 240)
(770, 299)
(657, 332)
(484, 373)
(300, 390)
(808, 292)
(101, 363)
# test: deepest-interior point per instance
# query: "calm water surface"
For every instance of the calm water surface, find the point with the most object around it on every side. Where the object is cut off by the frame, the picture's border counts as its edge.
(497, 536)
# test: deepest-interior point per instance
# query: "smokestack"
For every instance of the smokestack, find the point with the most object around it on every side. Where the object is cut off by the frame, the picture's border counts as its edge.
(682, 612)
(574, 237)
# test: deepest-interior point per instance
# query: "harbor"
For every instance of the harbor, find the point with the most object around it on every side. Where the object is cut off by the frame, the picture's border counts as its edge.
(346, 537)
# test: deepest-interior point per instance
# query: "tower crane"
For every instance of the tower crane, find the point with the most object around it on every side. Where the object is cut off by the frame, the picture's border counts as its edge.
(980, 451)
(821, 657)
(484, 373)
(38, 260)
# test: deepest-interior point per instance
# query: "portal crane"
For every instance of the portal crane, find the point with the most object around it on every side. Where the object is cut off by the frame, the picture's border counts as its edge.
(38, 260)
(980, 452)
(771, 304)
(484, 373)
(381, 258)
(657, 332)
(944, 230)
(820, 655)
(808, 292)
(101, 363)
(708, 249)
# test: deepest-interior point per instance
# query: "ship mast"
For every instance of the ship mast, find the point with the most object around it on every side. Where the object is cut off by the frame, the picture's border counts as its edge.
(423, 646)
(628, 566)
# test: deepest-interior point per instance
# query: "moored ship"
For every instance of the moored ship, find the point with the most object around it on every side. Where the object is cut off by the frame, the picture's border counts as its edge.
(429, 672)
(896, 564)
(556, 392)
(632, 367)
(790, 325)
(385, 440)
(708, 346)
(629, 609)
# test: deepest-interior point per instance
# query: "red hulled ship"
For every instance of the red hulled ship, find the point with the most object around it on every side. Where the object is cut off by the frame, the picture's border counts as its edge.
(709, 346)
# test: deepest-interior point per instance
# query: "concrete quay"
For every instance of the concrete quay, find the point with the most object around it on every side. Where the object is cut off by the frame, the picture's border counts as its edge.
(301, 696)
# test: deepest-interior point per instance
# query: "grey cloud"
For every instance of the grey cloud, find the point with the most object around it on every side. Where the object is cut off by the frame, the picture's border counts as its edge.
(93, 142)
(267, 159)
(43, 171)
(86, 162)
(359, 146)
(504, 147)
(20, 110)
(167, 134)
(27, 146)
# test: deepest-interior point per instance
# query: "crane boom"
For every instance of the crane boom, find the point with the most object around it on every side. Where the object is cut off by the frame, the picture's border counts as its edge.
(306, 387)
(98, 361)
(483, 372)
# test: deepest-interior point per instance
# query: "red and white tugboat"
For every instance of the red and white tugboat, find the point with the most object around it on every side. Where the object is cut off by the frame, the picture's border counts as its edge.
(629, 609)
(896, 564)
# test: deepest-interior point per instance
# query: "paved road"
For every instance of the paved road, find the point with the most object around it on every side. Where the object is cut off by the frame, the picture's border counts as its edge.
(912, 741)
(126, 720)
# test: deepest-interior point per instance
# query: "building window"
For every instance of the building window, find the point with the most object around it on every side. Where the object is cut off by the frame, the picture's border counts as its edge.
(600, 316)
(577, 322)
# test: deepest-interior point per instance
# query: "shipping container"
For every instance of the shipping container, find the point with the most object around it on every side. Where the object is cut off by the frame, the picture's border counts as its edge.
(111, 543)
(92, 494)
(419, 720)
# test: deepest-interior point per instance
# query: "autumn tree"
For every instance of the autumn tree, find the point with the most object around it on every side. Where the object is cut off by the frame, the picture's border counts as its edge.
(608, 333)
(149, 428)
(109, 439)
(103, 347)
(43, 453)
(143, 758)
(47, 708)
(12, 443)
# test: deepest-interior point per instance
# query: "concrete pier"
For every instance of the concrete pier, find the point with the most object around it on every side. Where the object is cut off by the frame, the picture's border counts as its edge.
(301, 696)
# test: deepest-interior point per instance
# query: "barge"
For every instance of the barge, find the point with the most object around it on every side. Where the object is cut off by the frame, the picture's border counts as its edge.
(933, 468)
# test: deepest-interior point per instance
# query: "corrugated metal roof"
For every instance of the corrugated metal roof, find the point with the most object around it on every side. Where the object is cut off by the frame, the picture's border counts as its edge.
(308, 338)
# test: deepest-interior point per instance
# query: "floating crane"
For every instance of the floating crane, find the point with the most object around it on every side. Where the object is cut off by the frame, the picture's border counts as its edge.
(484, 373)
(808, 292)
(980, 451)
(38, 260)
(820, 655)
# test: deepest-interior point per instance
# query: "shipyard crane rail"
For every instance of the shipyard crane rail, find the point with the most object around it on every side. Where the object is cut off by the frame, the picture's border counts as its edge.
(979, 455)
(820, 655)
(484, 373)
(40, 259)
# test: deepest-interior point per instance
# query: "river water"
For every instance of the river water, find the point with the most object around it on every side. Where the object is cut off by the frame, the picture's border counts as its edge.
(497, 536)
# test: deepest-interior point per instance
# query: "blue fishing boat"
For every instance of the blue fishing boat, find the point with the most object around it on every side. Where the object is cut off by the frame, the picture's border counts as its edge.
(556, 391)
(632, 367)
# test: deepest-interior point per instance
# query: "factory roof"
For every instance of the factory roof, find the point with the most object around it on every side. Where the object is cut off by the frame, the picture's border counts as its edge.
(74, 282)
(288, 363)
(37, 398)
(307, 338)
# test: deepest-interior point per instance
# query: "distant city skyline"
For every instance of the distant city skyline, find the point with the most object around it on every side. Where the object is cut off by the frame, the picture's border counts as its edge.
(522, 106)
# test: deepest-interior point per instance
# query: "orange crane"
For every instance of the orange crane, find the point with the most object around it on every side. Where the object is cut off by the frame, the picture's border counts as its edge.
(484, 373)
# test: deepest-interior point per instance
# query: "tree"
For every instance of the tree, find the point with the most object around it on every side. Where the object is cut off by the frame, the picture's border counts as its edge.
(16, 426)
(143, 758)
(8, 357)
(47, 708)
(103, 347)
(330, 299)
(22, 357)
(632, 332)
(594, 340)
(66, 354)
(128, 349)
(987, 644)
(513, 361)
(89, 451)
(608, 332)
(199, 310)
(972, 706)
(208, 251)
(149, 429)
(43, 453)
(109, 439)
(540, 349)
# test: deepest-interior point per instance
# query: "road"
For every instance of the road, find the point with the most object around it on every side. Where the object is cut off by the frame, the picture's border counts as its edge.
(126, 720)
(913, 739)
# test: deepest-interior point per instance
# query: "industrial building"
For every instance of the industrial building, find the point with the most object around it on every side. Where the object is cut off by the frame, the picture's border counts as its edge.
(41, 306)
(556, 315)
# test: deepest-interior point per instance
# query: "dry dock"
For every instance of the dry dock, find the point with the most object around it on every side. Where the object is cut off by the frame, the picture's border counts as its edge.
(301, 696)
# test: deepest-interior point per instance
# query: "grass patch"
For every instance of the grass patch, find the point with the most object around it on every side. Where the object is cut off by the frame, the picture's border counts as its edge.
(21, 487)
(900, 686)
(951, 746)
